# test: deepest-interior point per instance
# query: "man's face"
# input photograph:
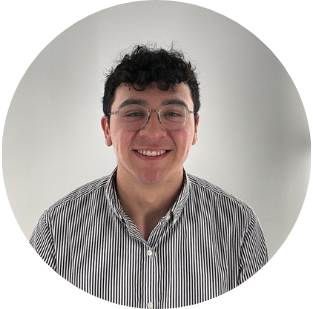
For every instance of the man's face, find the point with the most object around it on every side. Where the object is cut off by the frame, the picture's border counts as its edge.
(170, 149)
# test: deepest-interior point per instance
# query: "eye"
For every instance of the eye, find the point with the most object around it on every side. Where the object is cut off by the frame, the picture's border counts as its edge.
(173, 111)
(173, 114)
(134, 114)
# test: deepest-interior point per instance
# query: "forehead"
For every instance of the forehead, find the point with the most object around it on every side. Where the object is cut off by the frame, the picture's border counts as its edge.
(152, 95)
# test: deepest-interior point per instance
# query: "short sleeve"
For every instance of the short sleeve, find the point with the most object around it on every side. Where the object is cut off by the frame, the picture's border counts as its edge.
(42, 241)
(253, 252)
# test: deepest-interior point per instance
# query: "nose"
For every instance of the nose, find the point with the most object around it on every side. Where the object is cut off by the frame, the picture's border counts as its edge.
(153, 128)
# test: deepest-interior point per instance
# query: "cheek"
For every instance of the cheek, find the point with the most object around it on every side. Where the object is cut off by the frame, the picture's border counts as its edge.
(184, 140)
(121, 141)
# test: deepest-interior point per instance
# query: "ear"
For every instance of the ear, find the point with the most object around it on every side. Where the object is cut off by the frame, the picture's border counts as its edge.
(195, 137)
(106, 130)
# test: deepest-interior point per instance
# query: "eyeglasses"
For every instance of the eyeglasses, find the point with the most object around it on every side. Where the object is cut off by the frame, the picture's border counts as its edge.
(134, 117)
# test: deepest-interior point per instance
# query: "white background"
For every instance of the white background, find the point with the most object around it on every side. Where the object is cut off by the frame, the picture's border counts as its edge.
(27, 27)
(253, 132)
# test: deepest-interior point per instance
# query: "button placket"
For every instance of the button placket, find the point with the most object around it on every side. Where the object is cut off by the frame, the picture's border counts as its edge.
(151, 285)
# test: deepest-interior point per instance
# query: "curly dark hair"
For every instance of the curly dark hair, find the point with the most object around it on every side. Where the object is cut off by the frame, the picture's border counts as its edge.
(145, 65)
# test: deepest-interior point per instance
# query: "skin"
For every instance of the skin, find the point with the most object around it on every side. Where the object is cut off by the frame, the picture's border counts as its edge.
(148, 186)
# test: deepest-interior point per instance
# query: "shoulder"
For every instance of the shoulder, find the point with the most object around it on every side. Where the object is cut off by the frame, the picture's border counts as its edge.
(83, 196)
(222, 211)
(217, 199)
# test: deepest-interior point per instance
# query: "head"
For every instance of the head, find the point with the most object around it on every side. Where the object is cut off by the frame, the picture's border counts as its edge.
(144, 66)
(154, 79)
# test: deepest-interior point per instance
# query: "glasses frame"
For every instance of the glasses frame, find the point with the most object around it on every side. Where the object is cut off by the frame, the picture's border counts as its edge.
(157, 111)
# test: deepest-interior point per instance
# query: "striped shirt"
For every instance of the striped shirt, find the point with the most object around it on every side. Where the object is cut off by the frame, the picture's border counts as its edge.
(208, 243)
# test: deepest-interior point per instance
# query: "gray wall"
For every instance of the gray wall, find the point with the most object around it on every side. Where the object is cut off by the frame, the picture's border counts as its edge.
(253, 134)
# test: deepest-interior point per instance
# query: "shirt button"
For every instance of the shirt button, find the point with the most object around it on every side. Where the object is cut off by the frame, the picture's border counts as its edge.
(150, 305)
(167, 217)
(149, 253)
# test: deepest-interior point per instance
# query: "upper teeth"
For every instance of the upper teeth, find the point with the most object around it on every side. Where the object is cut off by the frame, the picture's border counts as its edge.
(151, 153)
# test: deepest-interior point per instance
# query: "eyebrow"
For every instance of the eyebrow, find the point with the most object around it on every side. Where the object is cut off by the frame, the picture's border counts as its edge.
(133, 101)
(144, 103)
(174, 102)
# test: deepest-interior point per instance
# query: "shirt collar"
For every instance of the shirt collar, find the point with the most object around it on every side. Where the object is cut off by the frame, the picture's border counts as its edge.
(178, 206)
(174, 212)
(112, 196)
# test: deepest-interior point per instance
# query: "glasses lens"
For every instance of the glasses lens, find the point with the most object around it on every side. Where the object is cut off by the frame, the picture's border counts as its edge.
(133, 116)
(173, 116)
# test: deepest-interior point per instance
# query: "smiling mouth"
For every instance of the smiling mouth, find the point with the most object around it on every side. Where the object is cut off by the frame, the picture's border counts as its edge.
(152, 153)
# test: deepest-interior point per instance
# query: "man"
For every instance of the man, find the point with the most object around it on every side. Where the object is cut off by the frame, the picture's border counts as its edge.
(151, 235)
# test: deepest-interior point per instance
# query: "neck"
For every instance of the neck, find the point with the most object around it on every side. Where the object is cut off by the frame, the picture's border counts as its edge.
(146, 204)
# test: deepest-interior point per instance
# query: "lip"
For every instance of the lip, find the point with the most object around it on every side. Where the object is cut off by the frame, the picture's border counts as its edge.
(152, 157)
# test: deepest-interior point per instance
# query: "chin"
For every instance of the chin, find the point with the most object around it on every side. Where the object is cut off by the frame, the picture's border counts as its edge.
(151, 177)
